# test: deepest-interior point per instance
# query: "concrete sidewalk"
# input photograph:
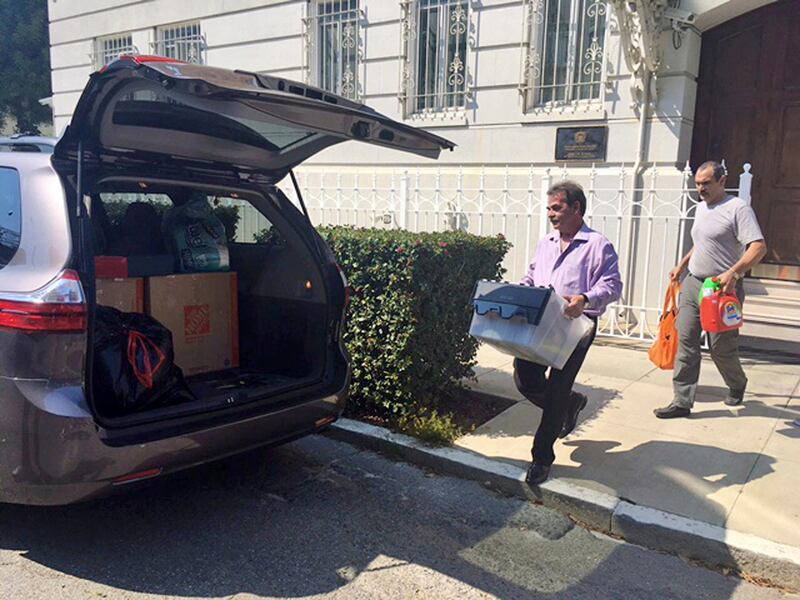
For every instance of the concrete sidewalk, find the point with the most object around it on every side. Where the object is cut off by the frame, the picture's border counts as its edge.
(737, 468)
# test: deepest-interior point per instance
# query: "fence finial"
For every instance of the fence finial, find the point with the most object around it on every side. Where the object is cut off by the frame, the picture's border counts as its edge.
(506, 191)
(746, 183)
(687, 176)
(530, 191)
(545, 186)
(402, 209)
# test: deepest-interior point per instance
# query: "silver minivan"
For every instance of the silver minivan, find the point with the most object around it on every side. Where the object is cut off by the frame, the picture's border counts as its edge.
(154, 131)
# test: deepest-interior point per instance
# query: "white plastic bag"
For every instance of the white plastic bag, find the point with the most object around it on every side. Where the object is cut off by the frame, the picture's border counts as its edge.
(196, 236)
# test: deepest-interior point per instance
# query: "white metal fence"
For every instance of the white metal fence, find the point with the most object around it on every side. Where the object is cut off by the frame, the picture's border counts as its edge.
(648, 219)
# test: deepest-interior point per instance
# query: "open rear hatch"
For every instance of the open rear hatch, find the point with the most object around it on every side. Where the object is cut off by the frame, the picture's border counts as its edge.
(144, 106)
(149, 126)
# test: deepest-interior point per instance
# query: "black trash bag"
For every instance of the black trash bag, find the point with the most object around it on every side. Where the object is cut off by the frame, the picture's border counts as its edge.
(134, 364)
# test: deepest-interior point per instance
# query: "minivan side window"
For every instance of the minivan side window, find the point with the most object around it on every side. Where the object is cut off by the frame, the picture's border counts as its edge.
(243, 220)
(10, 218)
(243, 223)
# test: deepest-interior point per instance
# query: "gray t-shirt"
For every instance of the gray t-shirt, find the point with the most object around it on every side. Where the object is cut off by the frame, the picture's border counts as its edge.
(720, 234)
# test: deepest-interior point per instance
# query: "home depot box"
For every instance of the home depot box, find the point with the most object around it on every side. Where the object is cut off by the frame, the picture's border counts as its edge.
(201, 310)
(125, 294)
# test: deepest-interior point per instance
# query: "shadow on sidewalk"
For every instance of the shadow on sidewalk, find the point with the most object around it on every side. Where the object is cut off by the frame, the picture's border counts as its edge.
(752, 406)
(522, 417)
(678, 477)
(791, 431)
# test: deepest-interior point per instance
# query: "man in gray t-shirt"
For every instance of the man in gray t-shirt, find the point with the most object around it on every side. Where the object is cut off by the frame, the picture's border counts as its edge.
(727, 242)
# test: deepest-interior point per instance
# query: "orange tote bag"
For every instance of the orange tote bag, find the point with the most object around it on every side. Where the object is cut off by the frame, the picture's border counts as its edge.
(662, 352)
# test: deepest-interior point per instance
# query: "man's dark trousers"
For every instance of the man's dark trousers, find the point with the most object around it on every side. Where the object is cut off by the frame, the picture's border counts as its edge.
(553, 394)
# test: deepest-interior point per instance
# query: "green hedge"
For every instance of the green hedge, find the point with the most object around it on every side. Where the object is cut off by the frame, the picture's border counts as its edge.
(408, 320)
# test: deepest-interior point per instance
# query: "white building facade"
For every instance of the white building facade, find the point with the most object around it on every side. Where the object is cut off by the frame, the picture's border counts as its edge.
(496, 76)
(636, 90)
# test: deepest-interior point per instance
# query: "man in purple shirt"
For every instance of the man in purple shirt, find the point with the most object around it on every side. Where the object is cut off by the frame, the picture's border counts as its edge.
(582, 266)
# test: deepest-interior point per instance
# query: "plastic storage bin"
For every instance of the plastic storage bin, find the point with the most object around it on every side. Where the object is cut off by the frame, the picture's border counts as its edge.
(526, 322)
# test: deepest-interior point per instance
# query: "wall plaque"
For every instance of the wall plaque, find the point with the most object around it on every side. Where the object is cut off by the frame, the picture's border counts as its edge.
(581, 143)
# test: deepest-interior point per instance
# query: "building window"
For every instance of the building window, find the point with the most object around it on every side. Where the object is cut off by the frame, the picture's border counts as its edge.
(434, 74)
(108, 49)
(333, 39)
(182, 42)
(563, 61)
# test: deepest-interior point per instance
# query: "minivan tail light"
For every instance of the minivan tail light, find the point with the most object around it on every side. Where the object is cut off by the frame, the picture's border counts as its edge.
(59, 306)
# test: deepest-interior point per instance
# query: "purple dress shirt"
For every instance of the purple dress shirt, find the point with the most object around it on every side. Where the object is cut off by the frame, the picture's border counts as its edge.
(588, 266)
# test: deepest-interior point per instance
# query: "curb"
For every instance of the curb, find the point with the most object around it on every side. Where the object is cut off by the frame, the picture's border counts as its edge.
(709, 544)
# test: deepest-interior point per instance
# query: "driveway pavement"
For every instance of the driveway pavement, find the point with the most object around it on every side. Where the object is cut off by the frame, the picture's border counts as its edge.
(323, 519)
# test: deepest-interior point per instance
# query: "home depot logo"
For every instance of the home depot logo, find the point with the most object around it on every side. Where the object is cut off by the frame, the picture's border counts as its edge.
(196, 321)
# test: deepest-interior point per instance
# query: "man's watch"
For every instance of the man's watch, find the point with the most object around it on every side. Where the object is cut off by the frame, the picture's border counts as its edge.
(736, 276)
(585, 301)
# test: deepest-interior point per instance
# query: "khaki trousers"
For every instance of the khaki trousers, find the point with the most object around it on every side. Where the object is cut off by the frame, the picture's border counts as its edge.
(724, 348)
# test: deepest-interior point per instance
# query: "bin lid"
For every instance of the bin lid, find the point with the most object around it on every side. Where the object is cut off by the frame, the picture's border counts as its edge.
(511, 300)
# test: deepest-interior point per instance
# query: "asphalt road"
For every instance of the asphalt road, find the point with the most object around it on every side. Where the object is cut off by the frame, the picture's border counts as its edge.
(323, 519)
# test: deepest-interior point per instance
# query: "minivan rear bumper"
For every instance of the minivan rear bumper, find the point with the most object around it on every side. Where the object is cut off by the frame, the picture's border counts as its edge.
(51, 450)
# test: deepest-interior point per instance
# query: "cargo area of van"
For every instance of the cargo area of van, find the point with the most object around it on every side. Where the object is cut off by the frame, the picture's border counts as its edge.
(205, 299)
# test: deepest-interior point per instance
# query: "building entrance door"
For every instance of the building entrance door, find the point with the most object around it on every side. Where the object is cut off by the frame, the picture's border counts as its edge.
(748, 110)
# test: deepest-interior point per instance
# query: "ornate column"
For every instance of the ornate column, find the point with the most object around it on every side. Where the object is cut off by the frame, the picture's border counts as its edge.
(640, 25)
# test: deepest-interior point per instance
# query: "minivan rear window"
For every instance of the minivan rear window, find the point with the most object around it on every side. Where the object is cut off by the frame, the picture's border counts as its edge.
(10, 219)
(144, 108)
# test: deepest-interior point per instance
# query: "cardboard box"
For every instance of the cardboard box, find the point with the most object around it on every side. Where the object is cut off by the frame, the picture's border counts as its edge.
(202, 311)
(126, 295)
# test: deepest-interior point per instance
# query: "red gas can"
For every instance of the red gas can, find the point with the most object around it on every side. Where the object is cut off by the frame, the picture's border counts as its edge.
(720, 312)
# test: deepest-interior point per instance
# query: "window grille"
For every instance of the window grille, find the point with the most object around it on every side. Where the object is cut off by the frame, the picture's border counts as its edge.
(182, 42)
(333, 40)
(434, 73)
(563, 59)
(108, 49)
